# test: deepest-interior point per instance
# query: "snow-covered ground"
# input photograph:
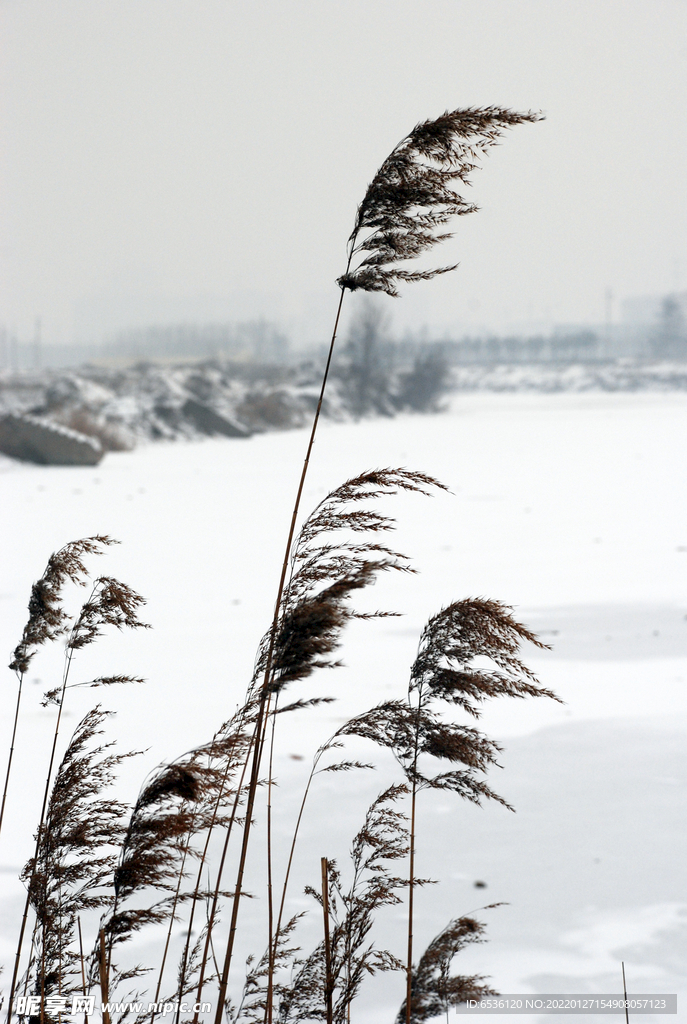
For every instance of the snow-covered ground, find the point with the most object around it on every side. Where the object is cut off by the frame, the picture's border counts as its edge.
(572, 507)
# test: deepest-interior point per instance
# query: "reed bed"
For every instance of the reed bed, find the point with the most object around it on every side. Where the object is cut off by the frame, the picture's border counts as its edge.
(104, 874)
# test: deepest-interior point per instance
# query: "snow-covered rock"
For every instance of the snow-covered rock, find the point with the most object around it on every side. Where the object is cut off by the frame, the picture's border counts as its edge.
(31, 439)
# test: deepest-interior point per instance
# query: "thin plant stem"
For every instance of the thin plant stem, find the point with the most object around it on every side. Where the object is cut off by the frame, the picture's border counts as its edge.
(411, 870)
(171, 921)
(289, 864)
(39, 833)
(215, 899)
(203, 858)
(293, 844)
(42, 1011)
(270, 900)
(258, 743)
(274, 937)
(329, 982)
(83, 968)
(627, 1012)
(71, 643)
(11, 753)
(103, 969)
(257, 750)
(32, 953)
(294, 838)
(61, 944)
(218, 801)
(212, 945)
(411, 893)
(349, 949)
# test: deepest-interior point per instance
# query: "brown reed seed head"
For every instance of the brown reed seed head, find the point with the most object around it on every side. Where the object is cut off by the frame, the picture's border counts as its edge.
(54, 695)
(444, 670)
(451, 640)
(112, 604)
(162, 816)
(47, 618)
(433, 989)
(412, 194)
(328, 566)
(76, 854)
(411, 733)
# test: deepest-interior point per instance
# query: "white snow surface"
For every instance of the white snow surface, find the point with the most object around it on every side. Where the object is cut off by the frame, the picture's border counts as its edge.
(571, 507)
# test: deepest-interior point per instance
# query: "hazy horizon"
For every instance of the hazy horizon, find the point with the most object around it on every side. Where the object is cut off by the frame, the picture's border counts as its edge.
(199, 162)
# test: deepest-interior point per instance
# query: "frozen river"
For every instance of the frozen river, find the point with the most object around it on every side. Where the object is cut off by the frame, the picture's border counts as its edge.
(572, 508)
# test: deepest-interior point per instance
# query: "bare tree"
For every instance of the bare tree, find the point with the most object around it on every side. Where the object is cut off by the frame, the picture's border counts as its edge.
(365, 370)
(670, 340)
(422, 387)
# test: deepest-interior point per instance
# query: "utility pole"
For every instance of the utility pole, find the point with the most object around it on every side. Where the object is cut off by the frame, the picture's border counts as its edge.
(677, 276)
(37, 343)
(608, 307)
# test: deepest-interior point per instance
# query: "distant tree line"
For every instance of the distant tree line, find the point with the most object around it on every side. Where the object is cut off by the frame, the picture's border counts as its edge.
(577, 346)
(258, 340)
(368, 359)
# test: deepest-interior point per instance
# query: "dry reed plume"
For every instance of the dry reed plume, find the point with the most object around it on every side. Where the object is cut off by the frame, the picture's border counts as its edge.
(412, 195)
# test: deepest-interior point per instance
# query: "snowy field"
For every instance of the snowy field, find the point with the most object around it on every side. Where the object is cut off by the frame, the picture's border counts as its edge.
(572, 508)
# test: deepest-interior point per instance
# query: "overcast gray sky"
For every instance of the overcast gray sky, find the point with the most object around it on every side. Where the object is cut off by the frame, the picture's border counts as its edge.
(168, 160)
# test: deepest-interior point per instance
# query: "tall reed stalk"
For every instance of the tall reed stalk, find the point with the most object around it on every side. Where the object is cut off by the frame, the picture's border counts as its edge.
(258, 738)
(10, 755)
(47, 620)
(445, 671)
(110, 603)
(328, 977)
(410, 196)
